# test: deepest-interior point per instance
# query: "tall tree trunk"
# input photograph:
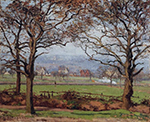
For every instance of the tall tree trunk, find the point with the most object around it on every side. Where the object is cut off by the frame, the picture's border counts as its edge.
(18, 83)
(128, 92)
(128, 88)
(29, 96)
(120, 81)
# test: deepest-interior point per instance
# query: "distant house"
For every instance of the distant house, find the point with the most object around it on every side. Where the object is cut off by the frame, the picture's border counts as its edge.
(73, 74)
(41, 70)
(85, 73)
(63, 70)
(6, 73)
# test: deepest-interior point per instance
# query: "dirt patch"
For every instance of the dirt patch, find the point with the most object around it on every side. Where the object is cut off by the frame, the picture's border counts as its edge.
(140, 108)
(68, 100)
(94, 106)
(38, 108)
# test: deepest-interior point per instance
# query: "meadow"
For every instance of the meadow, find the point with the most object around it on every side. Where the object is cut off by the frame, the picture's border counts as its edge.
(88, 115)
(48, 79)
(77, 114)
(140, 93)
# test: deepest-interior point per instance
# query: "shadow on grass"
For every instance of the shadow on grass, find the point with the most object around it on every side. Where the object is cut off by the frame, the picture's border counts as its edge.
(82, 114)
(120, 113)
(95, 114)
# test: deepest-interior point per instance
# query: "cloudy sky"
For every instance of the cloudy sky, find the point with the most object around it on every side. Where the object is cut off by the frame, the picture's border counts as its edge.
(69, 49)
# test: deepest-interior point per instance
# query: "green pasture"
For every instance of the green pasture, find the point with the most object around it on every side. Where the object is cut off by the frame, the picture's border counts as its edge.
(9, 78)
(89, 115)
(49, 79)
(140, 92)
(96, 89)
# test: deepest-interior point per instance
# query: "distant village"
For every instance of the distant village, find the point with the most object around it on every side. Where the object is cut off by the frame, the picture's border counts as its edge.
(63, 70)
(103, 74)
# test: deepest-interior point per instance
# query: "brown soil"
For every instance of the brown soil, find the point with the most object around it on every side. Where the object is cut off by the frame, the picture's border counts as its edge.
(37, 108)
(67, 102)
(70, 100)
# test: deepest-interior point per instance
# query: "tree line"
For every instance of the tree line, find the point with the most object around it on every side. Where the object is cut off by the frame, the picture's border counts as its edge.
(118, 30)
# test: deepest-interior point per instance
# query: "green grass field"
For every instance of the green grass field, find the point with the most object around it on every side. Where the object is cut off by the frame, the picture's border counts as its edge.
(140, 93)
(49, 79)
(89, 115)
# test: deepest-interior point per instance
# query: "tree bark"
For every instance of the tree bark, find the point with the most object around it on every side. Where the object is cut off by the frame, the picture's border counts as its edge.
(18, 83)
(29, 96)
(120, 81)
(128, 92)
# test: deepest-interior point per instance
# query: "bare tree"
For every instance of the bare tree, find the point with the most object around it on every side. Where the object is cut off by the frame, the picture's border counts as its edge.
(138, 78)
(11, 72)
(115, 36)
(100, 71)
(42, 24)
(110, 72)
(11, 31)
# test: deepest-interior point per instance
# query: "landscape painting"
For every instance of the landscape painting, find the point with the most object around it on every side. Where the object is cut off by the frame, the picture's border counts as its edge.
(74, 60)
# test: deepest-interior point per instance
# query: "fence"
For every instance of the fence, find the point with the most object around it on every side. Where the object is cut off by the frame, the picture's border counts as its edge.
(89, 96)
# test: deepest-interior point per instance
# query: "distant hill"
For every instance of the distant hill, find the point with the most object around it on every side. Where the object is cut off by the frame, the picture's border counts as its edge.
(73, 62)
